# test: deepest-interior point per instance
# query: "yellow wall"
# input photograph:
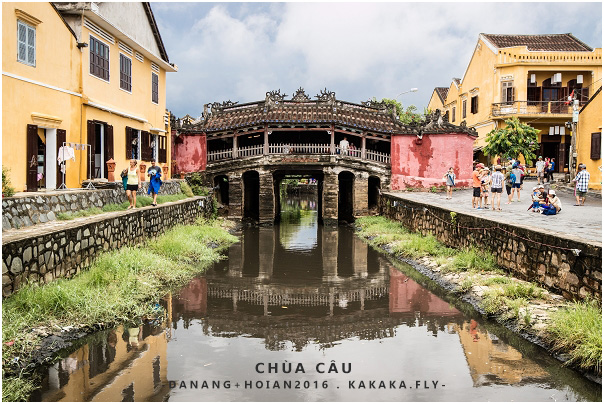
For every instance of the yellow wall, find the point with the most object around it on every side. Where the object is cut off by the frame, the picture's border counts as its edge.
(63, 90)
(590, 121)
(435, 103)
(57, 65)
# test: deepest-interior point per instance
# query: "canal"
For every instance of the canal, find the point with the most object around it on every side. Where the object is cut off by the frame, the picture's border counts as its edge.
(302, 312)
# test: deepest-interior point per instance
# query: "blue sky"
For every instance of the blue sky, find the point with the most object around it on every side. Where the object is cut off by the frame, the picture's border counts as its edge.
(239, 51)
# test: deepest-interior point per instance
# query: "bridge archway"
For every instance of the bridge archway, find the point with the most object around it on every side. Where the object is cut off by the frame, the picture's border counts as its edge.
(251, 195)
(280, 175)
(221, 186)
(346, 196)
(373, 192)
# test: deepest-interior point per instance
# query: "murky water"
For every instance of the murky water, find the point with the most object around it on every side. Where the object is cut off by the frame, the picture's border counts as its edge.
(300, 312)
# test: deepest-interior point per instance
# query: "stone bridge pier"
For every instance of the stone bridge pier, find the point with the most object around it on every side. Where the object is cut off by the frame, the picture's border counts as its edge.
(344, 192)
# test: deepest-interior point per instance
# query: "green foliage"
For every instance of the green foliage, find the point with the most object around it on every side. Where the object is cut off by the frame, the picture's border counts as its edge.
(119, 286)
(474, 260)
(198, 184)
(465, 286)
(515, 139)
(577, 330)
(7, 190)
(406, 116)
(17, 389)
(186, 189)
(79, 213)
(453, 218)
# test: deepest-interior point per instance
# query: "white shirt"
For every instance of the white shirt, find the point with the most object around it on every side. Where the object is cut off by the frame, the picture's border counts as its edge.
(540, 165)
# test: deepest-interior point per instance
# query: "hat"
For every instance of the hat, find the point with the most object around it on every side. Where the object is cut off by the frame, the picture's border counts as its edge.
(541, 186)
(535, 188)
(552, 192)
(479, 165)
(540, 157)
(508, 168)
(498, 167)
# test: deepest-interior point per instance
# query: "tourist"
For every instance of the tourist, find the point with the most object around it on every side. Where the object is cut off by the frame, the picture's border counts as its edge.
(476, 200)
(485, 184)
(550, 170)
(154, 174)
(497, 187)
(517, 181)
(352, 150)
(554, 206)
(540, 165)
(542, 194)
(450, 182)
(132, 186)
(582, 183)
(510, 179)
(535, 205)
(344, 147)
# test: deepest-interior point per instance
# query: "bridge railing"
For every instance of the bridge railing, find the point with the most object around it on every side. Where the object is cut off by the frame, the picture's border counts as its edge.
(309, 148)
(250, 151)
(220, 155)
(377, 156)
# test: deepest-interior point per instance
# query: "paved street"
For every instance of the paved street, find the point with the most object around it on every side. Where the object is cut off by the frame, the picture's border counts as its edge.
(579, 221)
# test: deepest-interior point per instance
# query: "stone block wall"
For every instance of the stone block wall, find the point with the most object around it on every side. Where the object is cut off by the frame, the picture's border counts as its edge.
(23, 211)
(63, 252)
(528, 253)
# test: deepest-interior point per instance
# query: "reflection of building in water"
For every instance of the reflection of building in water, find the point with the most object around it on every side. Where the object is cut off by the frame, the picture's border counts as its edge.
(119, 365)
(492, 361)
(416, 303)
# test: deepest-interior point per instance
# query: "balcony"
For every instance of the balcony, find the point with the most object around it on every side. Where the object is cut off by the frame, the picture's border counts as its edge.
(314, 149)
(545, 108)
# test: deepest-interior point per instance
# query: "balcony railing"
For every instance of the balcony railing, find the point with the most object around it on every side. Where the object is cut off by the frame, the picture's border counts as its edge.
(531, 108)
(322, 149)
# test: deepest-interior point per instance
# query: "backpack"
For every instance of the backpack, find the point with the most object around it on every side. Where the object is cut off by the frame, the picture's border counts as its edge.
(512, 179)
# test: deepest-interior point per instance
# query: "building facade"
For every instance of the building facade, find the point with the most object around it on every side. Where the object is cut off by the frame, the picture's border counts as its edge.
(589, 139)
(529, 77)
(90, 76)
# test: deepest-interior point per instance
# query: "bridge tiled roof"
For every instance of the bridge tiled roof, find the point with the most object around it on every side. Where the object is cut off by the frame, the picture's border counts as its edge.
(370, 116)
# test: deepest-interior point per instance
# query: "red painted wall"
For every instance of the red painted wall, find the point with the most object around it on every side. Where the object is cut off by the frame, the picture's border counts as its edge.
(190, 153)
(423, 165)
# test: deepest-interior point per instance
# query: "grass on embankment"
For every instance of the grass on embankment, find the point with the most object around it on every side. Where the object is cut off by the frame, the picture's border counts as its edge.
(574, 329)
(119, 286)
(141, 202)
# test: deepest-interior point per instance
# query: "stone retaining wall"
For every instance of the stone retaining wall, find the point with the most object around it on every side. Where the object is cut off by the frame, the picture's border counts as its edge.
(528, 253)
(28, 210)
(43, 256)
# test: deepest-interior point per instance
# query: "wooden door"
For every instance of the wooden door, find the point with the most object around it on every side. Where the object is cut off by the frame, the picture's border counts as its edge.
(31, 158)
(90, 153)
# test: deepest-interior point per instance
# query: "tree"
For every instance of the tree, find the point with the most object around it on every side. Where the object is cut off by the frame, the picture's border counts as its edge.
(515, 139)
(406, 116)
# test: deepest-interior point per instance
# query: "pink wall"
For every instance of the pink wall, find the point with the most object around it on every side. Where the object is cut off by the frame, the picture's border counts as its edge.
(423, 165)
(190, 153)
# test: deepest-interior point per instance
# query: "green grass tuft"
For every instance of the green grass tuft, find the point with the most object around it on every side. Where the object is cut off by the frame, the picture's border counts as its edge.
(474, 260)
(577, 330)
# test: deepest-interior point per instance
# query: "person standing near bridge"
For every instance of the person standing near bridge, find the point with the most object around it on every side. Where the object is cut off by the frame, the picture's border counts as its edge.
(344, 146)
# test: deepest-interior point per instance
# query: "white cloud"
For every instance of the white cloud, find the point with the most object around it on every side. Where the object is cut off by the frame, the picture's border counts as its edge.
(240, 51)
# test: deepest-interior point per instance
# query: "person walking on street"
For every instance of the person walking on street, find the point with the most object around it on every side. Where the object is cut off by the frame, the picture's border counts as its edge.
(132, 184)
(540, 165)
(582, 183)
(450, 182)
(550, 170)
(517, 172)
(154, 174)
(497, 180)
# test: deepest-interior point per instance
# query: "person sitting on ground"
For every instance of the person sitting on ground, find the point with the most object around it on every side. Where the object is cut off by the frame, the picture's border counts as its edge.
(554, 206)
(535, 198)
(542, 194)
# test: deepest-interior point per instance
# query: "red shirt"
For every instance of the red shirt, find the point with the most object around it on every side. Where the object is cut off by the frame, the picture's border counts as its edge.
(475, 179)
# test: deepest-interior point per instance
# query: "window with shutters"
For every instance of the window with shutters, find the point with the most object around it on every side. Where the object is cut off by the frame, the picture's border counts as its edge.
(507, 92)
(453, 114)
(125, 73)
(162, 149)
(474, 105)
(26, 43)
(154, 88)
(596, 145)
(533, 93)
(99, 59)
(463, 109)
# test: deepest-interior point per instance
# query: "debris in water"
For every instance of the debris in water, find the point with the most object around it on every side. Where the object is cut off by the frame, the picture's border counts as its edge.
(9, 343)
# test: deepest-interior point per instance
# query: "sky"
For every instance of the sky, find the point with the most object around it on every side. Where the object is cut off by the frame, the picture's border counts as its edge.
(239, 51)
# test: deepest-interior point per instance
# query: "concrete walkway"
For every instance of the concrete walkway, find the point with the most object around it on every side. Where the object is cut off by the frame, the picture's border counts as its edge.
(580, 221)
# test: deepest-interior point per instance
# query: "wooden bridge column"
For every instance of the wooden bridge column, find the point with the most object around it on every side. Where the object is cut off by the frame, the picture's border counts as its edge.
(330, 197)
(360, 195)
(267, 198)
(235, 196)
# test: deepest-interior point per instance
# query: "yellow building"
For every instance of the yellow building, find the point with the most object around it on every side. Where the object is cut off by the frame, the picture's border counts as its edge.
(589, 139)
(529, 77)
(83, 74)
(437, 100)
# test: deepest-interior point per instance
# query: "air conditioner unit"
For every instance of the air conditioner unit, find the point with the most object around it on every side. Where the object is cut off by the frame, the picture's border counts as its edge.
(579, 79)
